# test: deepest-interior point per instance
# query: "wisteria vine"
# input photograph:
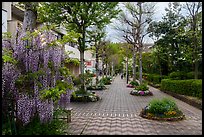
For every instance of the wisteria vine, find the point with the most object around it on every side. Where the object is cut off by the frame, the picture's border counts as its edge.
(39, 59)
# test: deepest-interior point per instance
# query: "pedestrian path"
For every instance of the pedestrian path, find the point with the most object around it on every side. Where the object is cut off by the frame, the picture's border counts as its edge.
(118, 114)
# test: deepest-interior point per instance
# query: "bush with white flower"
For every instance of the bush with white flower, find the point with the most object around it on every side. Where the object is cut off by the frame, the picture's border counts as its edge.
(141, 90)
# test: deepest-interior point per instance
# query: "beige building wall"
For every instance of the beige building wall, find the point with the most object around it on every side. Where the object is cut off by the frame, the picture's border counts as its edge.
(6, 15)
(12, 25)
(7, 6)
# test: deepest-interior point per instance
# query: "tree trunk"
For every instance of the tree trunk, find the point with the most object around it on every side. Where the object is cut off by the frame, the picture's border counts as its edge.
(82, 49)
(140, 60)
(195, 49)
(139, 40)
(102, 68)
(127, 70)
(112, 71)
(196, 70)
(29, 23)
(134, 63)
(30, 16)
(96, 65)
(82, 69)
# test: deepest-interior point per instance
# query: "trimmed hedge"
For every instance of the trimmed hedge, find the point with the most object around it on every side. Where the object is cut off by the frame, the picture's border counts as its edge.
(178, 75)
(190, 75)
(189, 87)
(181, 75)
(155, 78)
(196, 86)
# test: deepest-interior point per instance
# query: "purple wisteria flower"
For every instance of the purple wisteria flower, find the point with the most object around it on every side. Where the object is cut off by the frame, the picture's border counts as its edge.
(33, 59)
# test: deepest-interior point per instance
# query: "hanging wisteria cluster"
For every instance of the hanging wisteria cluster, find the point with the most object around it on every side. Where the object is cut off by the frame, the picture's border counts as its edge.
(39, 60)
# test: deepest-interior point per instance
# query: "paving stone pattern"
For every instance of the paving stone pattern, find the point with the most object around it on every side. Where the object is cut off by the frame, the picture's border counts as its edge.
(118, 114)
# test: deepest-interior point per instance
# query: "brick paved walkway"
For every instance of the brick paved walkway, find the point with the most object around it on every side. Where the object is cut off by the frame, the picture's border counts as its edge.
(118, 114)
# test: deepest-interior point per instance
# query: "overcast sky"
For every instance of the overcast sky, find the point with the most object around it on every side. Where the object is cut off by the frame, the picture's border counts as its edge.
(159, 12)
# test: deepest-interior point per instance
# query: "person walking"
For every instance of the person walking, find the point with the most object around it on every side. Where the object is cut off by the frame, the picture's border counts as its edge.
(121, 76)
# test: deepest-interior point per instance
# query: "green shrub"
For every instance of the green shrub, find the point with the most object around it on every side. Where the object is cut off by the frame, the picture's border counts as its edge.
(76, 81)
(106, 80)
(190, 87)
(134, 83)
(73, 94)
(142, 87)
(99, 86)
(144, 75)
(164, 77)
(196, 88)
(137, 75)
(190, 75)
(80, 91)
(179, 75)
(154, 78)
(81, 95)
(157, 106)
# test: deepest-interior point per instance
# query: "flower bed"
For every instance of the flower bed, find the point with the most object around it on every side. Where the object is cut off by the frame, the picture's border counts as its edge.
(141, 93)
(96, 87)
(141, 90)
(164, 109)
(78, 96)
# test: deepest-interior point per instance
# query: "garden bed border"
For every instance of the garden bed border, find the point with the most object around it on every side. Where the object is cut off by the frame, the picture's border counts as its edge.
(183, 98)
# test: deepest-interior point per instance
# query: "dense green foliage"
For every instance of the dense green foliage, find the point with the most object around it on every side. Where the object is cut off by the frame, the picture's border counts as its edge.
(149, 63)
(189, 87)
(178, 39)
(142, 87)
(98, 86)
(80, 17)
(179, 75)
(106, 80)
(157, 106)
(73, 61)
(82, 96)
(134, 83)
(190, 75)
(154, 78)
